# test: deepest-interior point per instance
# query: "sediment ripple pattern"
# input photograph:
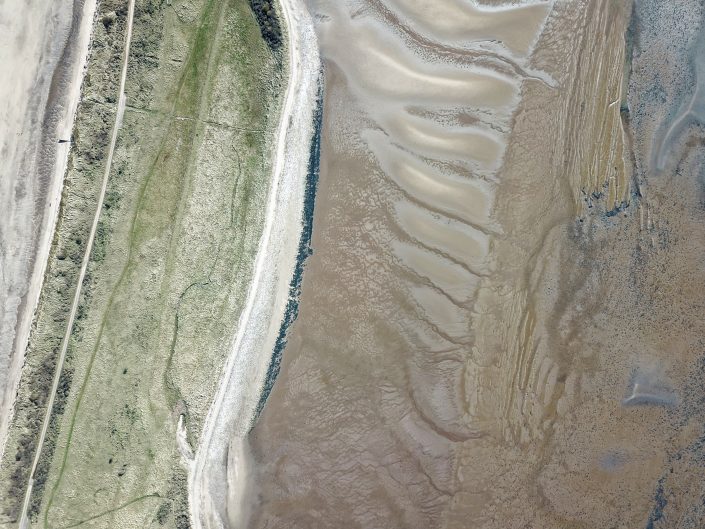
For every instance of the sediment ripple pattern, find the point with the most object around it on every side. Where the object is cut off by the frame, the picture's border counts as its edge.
(435, 130)
(372, 401)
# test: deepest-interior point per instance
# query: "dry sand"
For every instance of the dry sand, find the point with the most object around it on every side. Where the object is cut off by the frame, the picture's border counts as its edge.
(43, 47)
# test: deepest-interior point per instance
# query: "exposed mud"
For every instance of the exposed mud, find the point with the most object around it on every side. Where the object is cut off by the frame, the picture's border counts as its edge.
(501, 323)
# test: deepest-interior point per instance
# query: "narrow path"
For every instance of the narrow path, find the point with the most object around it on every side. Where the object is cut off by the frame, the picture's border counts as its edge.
(24, 521)
(113, 510)
(237, 394)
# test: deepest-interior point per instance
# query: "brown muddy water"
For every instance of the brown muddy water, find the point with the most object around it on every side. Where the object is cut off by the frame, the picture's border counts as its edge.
(501, 325)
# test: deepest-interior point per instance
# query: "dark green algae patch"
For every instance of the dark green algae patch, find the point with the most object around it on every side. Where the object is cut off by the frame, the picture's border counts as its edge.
(268, 21)
(304, 251)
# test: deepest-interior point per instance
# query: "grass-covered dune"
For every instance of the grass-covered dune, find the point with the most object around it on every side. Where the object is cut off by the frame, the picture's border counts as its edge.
(169, 268)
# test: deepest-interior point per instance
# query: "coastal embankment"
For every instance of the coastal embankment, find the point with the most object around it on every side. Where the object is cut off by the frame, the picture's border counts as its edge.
(39, 108)
(219, 452)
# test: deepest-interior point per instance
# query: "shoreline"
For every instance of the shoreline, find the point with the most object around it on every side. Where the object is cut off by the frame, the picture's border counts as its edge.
(305, 251)
(235, 403)
(58, 122)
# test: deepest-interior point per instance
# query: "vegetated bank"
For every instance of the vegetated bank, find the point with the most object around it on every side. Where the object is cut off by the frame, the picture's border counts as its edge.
(78, 201)
(266, 14)
(172, 256)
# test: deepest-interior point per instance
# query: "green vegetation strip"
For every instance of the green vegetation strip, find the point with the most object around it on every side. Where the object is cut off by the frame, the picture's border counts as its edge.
(170, 264)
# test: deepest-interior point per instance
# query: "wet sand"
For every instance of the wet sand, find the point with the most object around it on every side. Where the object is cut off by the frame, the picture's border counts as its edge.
(363, 423)
(43, 46)
(500, 326)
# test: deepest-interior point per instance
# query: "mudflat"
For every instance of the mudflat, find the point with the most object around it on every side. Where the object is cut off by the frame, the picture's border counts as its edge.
(500, 325)
(458, 284)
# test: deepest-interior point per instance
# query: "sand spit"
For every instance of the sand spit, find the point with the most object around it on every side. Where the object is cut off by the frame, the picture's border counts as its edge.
(220, 455)
(39, 98)
(175, 247)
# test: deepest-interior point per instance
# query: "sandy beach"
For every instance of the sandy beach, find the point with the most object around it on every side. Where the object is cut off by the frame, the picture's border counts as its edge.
(39, 99)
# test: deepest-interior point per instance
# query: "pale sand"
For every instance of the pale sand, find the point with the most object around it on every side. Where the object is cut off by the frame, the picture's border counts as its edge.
(220, 453)
(44, 47)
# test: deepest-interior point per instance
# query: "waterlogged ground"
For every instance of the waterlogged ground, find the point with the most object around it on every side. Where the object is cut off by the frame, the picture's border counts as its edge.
(501, 322)
(500, 325)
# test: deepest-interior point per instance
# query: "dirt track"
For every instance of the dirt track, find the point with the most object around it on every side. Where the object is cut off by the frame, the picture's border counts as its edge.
(84, 264)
